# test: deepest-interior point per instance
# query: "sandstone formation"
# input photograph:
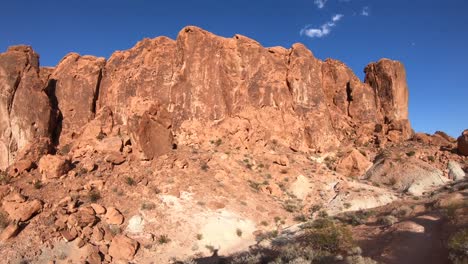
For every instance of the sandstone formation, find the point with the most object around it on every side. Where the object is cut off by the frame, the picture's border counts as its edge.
(463, 143)
(161, 91)
(25, 111)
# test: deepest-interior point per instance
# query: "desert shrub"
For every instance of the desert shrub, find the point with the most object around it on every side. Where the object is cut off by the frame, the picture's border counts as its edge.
(326, 235)
(37, 184)
(217, 142)
(410, 153)
(199, 236)
(3, 220)
(94, 196)
(255, 185)
(238, 232)
(357, 259)
(204, 166)
(458, 247)
(163, 239)
(431, 158)
(130, 181)
(4, 178)
(387, 220)
(300, 218)
(355, 218)
(247, 258)
(148, 206)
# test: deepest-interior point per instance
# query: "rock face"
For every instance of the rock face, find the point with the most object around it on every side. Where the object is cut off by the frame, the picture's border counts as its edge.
(25, 112)
(165, 92)
(76, 81)
(462, 143)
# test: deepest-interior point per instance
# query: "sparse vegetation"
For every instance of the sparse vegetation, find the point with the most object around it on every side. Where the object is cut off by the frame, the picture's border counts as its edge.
(94, 196)
(431, 158)
(238, 232)
(300, 218)
(148, 206)
(210, 248)
(326, 235)
(199, 236)
(163, 239)
(392, 181)
(204, 166)
(387, 220)
(130, 181)
(264, 223)
(410, 153)
(101, 135)
(255, 185)
(458, 247)
(3, 221)
(4, 178)
(37, 184)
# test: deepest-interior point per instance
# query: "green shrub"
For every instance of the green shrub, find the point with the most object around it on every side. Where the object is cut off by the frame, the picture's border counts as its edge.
(410, 153)
(326, 235)
(458, 247)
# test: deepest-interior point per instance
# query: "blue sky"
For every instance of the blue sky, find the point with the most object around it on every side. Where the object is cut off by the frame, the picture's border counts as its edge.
(429, 36)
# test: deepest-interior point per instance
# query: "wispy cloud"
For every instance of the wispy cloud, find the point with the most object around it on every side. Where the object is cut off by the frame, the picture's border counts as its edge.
(365, 11)
(320, 3)
(323, 30)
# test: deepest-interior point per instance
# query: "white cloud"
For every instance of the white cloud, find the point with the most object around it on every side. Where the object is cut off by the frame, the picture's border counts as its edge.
(365, 11)
(323, 30)
(337, 17)
(320, 3)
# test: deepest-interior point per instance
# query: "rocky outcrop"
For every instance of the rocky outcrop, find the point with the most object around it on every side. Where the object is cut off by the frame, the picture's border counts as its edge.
(25, 111)
(165, 92)
(462, 143)
(76, 81)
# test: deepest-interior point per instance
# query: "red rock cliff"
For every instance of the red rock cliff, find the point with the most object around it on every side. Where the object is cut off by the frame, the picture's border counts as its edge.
(198, 87)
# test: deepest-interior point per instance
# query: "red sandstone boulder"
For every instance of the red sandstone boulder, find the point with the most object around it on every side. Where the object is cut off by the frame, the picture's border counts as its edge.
(353, 164)
(53, 166)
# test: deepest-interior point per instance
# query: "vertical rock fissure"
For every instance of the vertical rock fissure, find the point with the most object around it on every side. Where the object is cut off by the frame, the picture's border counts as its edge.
(288, 83)
(56, 117)
(349, 97)
(96, 93)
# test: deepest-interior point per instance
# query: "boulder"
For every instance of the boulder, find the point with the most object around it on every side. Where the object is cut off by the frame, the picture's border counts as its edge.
(405, 174)
(455, 171)
(84, 217)
(462, 143)
(10, 231)
(353, 164)
(53, 166)
(123, 248)
(22, 211)
(113, 216)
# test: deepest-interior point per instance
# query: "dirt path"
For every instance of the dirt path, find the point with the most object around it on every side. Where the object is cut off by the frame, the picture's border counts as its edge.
(417, 240)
